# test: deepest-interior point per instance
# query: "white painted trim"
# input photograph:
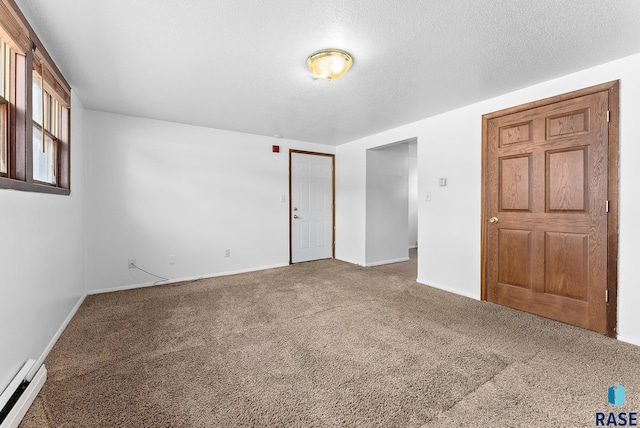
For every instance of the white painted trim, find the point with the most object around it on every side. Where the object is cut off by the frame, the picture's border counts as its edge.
(26, 399)
(13, 385)
(629, 340)
(388, 262)
(54, 339)
(190, 278)
(348, 261)
(448, 289)
(126, 287)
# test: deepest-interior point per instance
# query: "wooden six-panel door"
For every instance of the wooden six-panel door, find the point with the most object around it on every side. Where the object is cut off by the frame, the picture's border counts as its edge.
(546, 190)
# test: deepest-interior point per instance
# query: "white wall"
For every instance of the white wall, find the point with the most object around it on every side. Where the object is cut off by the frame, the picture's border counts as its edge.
(157, 189)
(413, 194)
(42, 262)
(449, 225)
(387, 214)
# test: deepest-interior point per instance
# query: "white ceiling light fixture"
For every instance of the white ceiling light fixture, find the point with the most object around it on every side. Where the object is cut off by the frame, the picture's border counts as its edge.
(329, 64)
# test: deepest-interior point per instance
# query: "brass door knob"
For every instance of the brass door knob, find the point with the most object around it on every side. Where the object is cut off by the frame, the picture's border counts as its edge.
(493, 220)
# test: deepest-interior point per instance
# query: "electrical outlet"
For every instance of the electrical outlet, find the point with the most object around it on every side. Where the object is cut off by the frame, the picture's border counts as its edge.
(227, 252)
(172, 259)
(132, 263)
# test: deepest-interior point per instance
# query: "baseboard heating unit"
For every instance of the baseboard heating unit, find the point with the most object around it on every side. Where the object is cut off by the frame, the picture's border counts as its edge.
(19, 395)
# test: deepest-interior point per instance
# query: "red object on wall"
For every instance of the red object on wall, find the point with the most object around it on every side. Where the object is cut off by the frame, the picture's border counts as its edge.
(276, 149)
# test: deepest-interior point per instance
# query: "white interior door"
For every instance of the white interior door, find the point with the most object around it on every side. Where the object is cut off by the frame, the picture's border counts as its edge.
(311, 207)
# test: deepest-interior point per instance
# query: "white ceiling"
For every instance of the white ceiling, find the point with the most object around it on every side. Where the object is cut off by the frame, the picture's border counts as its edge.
(241, 64)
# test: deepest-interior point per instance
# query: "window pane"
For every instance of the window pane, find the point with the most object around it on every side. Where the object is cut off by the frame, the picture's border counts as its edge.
(44, 162)
(47, 111)
(4, 108)
(55, 117)
(5, 55)
(37, 99)
(3, 72)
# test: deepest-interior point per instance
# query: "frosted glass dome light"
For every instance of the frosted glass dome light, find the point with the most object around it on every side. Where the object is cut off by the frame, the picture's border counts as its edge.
(329, 64)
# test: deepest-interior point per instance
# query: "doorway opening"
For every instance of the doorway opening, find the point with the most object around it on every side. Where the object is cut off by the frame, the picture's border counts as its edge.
(391, 207)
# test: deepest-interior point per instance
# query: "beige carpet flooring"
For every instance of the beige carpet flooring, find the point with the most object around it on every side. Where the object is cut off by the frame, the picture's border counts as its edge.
(324, 344)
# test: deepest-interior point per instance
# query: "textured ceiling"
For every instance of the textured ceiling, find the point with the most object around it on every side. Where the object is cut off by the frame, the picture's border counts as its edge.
(240, 64)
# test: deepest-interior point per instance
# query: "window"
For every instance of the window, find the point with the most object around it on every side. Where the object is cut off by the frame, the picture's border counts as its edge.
(4, 107)
(35, 114)
(46, 130)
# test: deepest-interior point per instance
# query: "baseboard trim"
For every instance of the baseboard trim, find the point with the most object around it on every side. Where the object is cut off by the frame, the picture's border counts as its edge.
(54, 339)
(349, 261)
(128, 287)
(388, 262)
(449, 289)
(190, 278)
(18, 411)
(629, 340)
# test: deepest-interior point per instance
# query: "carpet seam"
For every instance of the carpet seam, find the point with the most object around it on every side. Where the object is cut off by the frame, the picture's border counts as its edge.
(114, 362)
(287, 320)
(47, 412)
(132, 357)
(496, 374)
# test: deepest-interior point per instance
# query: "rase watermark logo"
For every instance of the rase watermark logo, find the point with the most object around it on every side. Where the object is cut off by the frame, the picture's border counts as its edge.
(616, 397)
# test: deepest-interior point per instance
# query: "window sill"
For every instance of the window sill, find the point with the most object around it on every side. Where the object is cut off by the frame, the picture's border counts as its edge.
(7, 183)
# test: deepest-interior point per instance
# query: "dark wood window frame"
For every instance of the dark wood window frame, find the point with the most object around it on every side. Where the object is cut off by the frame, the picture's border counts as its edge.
(19, 110)
(4, 119)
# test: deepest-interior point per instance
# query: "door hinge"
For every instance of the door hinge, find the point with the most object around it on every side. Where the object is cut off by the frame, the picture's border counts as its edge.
(607, 206)
(608, 115)
(606, 296)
